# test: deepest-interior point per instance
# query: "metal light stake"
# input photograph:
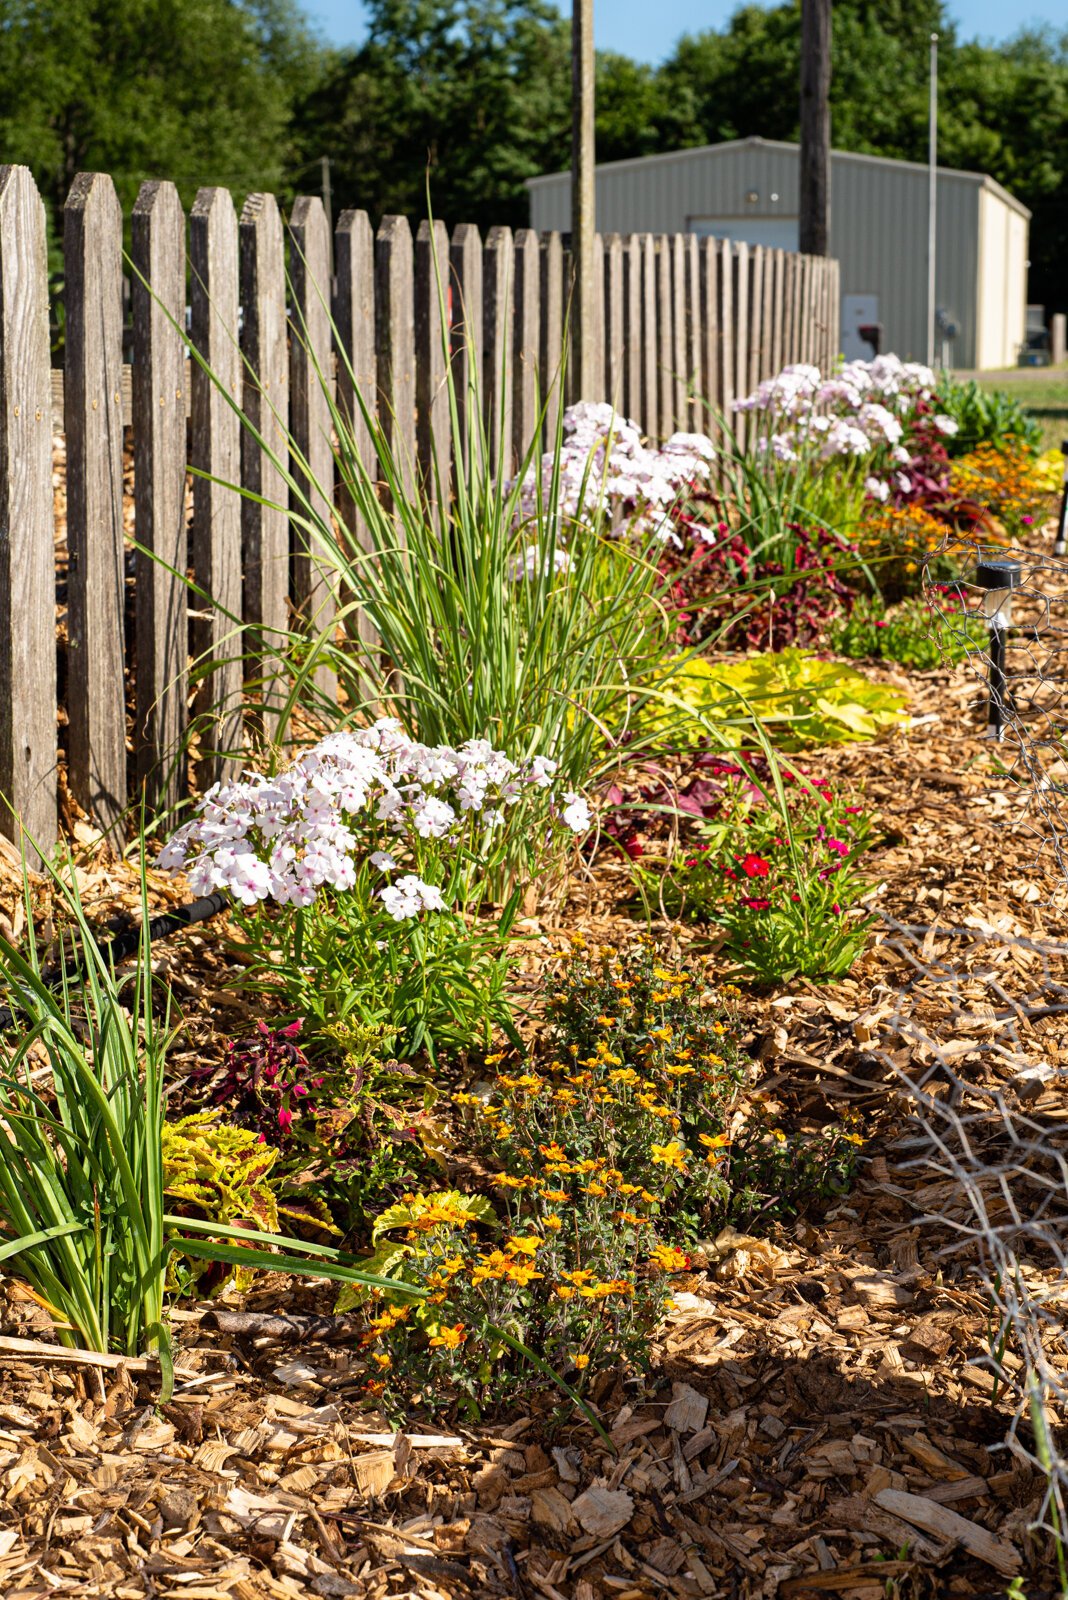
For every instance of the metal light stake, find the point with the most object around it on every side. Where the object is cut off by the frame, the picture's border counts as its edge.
(1060, 544)
(998, 578)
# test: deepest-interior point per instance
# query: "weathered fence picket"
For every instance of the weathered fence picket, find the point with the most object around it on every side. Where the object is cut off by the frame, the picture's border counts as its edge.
(526, 332)
(551, 328)
(632, 324)
(96, 704)
(498, 272)
(741, 331)
(678, 330)
(694, 367)
(465, 268)
(160, 456)
(288, 334)
(649, 414)
(707, 314)
(27, 558)
(726, 327)
(614, 314)
(354, 330)
(395, 331)
(264, 520)
(665, 346)
(433, 431)
(215, 455)
(312, 584)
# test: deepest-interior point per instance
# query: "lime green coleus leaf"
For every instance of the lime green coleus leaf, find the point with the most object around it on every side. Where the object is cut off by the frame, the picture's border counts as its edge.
(442, 1209)
(388, 1262)
(446, 1208)
(797, 698)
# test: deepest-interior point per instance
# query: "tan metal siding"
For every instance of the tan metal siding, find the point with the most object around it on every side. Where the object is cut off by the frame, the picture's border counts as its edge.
(878, 224)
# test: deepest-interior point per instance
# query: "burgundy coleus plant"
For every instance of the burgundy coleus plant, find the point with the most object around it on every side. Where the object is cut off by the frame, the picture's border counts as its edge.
(266, 1081)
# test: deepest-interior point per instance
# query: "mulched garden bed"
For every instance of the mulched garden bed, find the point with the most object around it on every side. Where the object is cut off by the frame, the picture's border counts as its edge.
(816, 1419)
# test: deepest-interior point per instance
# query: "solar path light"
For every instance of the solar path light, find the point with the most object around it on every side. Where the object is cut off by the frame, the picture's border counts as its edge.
(1060, 544)
(997, 578)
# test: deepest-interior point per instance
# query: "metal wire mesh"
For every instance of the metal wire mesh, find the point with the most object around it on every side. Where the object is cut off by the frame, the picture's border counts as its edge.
(995, 1160)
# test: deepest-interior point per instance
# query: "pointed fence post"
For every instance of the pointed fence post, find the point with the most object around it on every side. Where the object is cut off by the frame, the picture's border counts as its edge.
(497, 288)
(264, 519)
(526, 331)
(665, 350)
(216, 634)
(312, 575)
(92, 422)
(395, 332)
(710, 333)
(27, 551)
(160, 519)
(650, 412)
(631, 392)
(551, 334)
(465, 283)
(433, 426)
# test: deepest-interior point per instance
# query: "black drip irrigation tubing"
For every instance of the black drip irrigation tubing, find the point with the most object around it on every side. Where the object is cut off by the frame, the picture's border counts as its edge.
(126, 941)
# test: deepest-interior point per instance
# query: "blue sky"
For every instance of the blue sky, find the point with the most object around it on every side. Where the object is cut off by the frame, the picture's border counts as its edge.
(626, 25)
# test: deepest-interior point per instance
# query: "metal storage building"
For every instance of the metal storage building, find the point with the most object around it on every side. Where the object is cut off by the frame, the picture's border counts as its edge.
(748, 189)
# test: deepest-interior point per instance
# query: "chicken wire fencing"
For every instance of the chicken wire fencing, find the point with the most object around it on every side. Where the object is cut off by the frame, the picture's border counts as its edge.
(961, 1037)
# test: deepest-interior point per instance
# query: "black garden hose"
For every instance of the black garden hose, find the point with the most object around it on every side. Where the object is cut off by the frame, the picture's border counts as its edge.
(124, 941)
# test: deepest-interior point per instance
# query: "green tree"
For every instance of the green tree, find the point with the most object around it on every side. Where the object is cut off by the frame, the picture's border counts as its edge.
(1002, 109)
(473, 95)
(195, 90)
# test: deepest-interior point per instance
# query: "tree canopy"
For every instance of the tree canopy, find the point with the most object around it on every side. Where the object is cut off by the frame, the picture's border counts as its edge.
(469, 98)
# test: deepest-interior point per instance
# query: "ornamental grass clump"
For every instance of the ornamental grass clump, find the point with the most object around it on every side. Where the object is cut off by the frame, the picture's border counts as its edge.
(777, 873)
(81, 1166)
(378, 855)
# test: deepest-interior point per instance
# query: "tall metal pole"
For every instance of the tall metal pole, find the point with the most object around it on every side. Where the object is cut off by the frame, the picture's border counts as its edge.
(814, 227)
(584, 383)
(932, 205)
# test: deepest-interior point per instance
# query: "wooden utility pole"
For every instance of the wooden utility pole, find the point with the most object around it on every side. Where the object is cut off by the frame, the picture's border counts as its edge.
(584, 382)
(815, 196)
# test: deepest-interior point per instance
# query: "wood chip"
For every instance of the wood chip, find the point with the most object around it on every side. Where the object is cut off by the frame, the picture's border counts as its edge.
(949, 1525)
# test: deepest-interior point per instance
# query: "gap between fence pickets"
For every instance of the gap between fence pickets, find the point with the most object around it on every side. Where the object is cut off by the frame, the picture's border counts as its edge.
(676, 318)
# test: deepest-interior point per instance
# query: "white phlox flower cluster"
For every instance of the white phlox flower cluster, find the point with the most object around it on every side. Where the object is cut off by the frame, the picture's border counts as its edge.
(862, 410)
(605, 469)
(285, 838)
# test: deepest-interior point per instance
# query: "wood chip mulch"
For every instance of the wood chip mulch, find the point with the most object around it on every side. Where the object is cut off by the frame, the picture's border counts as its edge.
(818, 1417)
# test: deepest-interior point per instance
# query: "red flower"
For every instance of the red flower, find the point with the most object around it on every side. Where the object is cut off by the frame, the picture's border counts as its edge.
(756, 905)
(754, 866)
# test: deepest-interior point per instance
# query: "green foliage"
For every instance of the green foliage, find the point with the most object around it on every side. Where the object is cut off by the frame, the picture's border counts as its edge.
(472, 94)
(792, 695)
(984, 416)
(198, 91)
(628, 1140)
(438, 982)
(922, 632)
(222, 1174)
(662, 1017)
(777, 873)
(81, 1171)
(348, 1124)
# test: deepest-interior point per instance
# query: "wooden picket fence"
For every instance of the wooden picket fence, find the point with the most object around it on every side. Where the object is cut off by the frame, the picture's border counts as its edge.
(678, 318)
